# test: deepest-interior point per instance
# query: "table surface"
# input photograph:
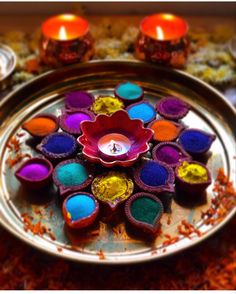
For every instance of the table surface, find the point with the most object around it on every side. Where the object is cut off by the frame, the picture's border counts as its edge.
(210, 265)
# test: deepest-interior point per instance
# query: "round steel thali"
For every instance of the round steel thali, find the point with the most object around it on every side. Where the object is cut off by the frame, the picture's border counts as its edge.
(209, 112)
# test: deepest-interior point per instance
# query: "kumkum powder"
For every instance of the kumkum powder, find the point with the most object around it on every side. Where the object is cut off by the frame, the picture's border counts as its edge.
(106, 105)
(165, 130)
(40, 126)
(192, 173)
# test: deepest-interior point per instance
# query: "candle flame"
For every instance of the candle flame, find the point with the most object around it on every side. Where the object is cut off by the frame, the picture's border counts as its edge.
(160, 33)
(62, 33)
(168, 16)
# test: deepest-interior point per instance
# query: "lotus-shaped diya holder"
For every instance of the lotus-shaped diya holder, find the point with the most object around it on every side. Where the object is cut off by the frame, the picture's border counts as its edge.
(114, 140)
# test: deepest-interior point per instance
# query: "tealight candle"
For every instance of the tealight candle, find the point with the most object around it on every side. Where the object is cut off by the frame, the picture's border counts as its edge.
(163, 39)
(65, 39)
(114, 146)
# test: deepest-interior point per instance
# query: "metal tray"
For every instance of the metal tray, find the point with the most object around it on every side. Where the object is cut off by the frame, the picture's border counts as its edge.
(210, 111)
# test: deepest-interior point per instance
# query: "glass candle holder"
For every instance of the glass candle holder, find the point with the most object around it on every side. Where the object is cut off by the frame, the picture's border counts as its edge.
(163, 39)
(65, 39)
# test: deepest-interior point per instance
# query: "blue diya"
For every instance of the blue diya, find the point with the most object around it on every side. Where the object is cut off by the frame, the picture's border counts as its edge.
(142, 110)
(129, 92)
(78, 99)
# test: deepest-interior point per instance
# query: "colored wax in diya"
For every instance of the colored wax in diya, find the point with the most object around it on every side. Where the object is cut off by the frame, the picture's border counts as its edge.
(142, 110)
(196, 142)
(172, 108)
(129, 92)
(41, 125)
(165, 130)
(78, 99)
(112, 188)
(80, 210)
(106, 105)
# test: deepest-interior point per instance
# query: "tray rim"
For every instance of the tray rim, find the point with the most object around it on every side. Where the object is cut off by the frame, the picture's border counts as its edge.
(213, 230)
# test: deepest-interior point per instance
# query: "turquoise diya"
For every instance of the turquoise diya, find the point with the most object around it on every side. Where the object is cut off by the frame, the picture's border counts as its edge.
(72, 175)
(80, 210)
(142, 110)
(144, 211)
(35, 173)
(129, 92)
(78, 99)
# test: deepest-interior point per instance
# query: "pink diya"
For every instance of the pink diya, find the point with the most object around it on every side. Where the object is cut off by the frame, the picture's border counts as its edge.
(114, 140)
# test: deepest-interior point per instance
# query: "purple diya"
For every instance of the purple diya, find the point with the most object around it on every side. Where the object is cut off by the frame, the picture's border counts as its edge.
(78, 100)
(80, 210)
(192, 177)
(70, 120)
(169, 153)
(129, 92)
(72, 175)
(154, 177)
(172, 108)
(195, 141)
(58, 146)
(142, 110)
(35, 173)
(144, 211)
(125, 139)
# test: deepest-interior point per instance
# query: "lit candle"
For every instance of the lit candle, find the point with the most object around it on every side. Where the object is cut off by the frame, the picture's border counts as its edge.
(114, 146)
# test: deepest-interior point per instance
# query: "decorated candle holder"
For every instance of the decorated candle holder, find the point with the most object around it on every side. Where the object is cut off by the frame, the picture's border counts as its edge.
(144, 211)
(129, 92)
(114, 140)
(192, 177)
(172, 108)
(70, 120)
(65, 39)
(58, 146)
(163, 39)
(169, 153)
(112, 188)
(41, 125)
(80, 210)
(72, 175)
(78, 100)
(196, 142)
(106, 105)
(154, 177)
(165, 130)
(35, 173)
(142, 110)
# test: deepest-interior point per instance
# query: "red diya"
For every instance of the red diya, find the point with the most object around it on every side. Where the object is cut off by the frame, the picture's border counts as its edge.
(163, 39)
(114, 140)
(65, 39)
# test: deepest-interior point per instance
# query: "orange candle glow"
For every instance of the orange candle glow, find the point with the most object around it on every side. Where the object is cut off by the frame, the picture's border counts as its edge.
(164, 27)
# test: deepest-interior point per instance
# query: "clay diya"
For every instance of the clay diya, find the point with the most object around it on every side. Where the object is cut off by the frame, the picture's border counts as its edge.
(58, 146)
(106, 105)
(154, 177)
(196, 142)
(35, 173)
(125, 139)
(169, 153)
(70, 120)
(192, 177)
(129, 92)
(144, 211)
(112, 188)
(165, 130)
(41, 125)
(72, 175)
(142, 110)
(80, 210)
(172, 108)
(78, 99)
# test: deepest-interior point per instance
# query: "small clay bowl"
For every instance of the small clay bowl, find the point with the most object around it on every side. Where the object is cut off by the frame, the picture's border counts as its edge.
(169, 153)
(172, 108)
(86, 219)
(35, 173)
(106, 106)
(79, 166)
(141, 224)
(43, 147)
(47, 118)
(168, 186)
(196, 149)
(78, 100)
(194, 189)
(136, 110)
(178, 128)
(70, 120)
(129, 95)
